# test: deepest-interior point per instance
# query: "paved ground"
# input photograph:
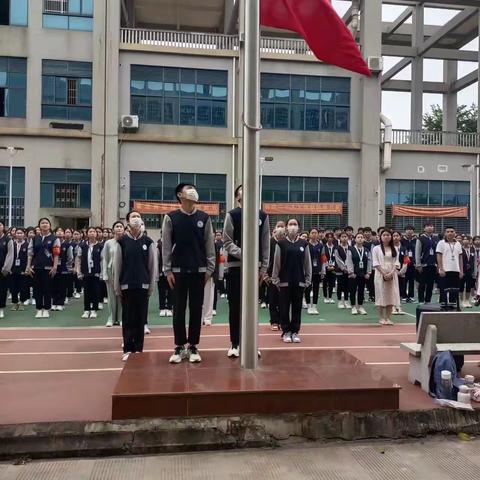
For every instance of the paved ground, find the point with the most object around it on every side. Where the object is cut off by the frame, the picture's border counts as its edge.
(431, 459)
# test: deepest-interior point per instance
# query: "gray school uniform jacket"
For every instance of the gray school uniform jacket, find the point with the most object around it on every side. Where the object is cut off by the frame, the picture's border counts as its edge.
(108, 258)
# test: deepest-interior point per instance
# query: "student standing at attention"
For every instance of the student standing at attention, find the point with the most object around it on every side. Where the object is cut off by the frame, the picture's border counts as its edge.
(134, 277)
(426, 263)
(189, 262)
(6, 261)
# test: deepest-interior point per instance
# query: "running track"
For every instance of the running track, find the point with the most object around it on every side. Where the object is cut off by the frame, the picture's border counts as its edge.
(68, 374)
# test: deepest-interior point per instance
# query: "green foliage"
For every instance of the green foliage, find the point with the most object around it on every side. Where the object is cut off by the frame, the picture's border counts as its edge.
(466, 119)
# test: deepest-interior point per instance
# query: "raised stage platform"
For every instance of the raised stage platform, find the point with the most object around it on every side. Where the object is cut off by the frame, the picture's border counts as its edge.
(286, 381)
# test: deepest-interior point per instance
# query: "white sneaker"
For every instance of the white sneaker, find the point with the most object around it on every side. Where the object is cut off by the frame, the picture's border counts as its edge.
(332, 300)
(105, 301)
(400, 311)
(233, 352)
(193, 355)
(46, 314)
(354, 311)
(468, 305)
(315, 311)
(60, 308)
(304, 304)
(86, 314)
(348, 305)
(66, 301)
(295, 338)
(54, 308)
(394, 311)
(223, 295)
(76, 295)
(214, 313)
(2, 313)
(93, 314)
(362, 311)
(178, 355)
(310, 311)
(146, 330)
(326, 300)
(163, 313)
(287, 337)
(39, 314)
(169, 313)
(263, 305)
(207, 323)
(26, 302)
(100, 306)
(109, 323)
(34, 302)
(125, 356)
(341, 304)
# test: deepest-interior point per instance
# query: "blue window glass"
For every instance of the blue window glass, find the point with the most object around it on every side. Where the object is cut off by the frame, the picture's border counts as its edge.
(19, 13)
(74, 15)
(74, 6)
(65, 188)
(55, 21)
(13, 87)
(67, 90)
(80, 23)
(307, 102)
(18, 194)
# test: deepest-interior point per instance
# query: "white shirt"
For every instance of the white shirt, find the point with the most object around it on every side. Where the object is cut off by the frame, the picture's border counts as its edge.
(450, 255)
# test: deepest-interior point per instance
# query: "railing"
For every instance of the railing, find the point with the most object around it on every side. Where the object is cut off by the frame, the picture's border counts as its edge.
(424, 137)
(209, 41)
(55, 6)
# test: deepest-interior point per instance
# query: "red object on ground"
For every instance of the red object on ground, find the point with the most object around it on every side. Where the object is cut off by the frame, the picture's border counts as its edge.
(321, 27)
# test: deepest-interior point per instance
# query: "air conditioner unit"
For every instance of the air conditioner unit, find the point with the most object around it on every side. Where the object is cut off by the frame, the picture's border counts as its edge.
(129, 123)
(375, 64)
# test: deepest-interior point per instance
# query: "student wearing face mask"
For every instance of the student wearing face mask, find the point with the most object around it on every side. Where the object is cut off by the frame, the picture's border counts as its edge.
(134, 279)
(19, 288)
(232, 239)
(359, 266)
(292, 273)
(189, 262)
(341, 272)
(316, 255)
(273, 293)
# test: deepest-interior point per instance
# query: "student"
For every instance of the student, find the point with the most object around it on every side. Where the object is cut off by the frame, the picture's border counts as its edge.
(209, 294)
(220, 281)
(108, 257)
(18, 287)
(292, 273)
(316, 255)
(385, 261)
(232, 239)
(426, 263)
(188, 252)
(65, 261)
(404, 261)
(69, 274)
(341, 272)
(134, 274)
(43, 253)
(304, 236)
(409, 244)
(88, 267)
(77, 239)
(467, 283)
(30, 235)
(330, 277)
(450, 265)
(6, 261)
(165, 301)
(273, 293)
(349, 232)
(359, 266)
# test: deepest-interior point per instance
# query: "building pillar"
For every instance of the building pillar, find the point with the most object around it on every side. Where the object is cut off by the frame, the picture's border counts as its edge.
(450, 74)
(105, 161)
(417, 70)
(371, 31)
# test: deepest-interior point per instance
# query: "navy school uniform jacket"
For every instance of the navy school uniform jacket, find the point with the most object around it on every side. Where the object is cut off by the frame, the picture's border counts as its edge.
(20, 256)
(341, 259)
(469, 262)
(292, 265)
(316, 252)
(41, 251)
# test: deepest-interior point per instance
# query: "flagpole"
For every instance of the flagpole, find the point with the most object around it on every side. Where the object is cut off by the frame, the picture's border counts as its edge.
(250, 206)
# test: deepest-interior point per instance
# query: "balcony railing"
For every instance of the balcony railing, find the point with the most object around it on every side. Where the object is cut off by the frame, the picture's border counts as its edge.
(209, 41)
(424, 137)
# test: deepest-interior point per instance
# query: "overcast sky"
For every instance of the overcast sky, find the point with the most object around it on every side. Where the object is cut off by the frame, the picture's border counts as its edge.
(396, 105)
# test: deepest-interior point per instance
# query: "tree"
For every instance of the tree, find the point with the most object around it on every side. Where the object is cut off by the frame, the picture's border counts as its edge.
(466, 119)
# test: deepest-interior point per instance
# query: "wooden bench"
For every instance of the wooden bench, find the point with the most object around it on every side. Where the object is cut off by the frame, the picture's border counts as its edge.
(458, 332)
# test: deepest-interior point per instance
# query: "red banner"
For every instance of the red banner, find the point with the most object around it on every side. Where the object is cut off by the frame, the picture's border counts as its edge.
(432, 212)
(303, 208)
(162, 208)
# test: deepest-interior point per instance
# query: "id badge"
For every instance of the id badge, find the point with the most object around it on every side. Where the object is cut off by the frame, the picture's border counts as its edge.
(330, 263)
(315, 263)
(453, 258)
(360, 265)
(410, 253)
(431, 252)
(17, 262)
(59, 261)
(90, 264)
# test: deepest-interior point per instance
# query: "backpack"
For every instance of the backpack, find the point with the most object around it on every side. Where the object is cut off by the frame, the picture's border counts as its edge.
(443, 361)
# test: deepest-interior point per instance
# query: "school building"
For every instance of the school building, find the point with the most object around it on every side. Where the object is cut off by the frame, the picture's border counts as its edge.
(76, 75)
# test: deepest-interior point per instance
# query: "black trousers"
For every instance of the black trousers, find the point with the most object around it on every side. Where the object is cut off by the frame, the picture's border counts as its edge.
(450, 280)
(342, 286)
(102, 291)
(291, 300)
(234, 296)
(315, 286)
(371, 286)
(164, 294)
(4, 283)
(19, 288)
(42, 289)
(78, 284)
(134, 317)
(59, 292)
(426, 281)
(220, 286)
(91, 297)
(357, 290)
(467, 283)
(274, 304)
(328, 284)
(407, 287)
(69, 284)
(262, 293)
(188, 286)
(215, 296)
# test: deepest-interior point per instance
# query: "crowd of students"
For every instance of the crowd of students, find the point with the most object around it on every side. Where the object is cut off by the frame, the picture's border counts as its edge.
(191, 266)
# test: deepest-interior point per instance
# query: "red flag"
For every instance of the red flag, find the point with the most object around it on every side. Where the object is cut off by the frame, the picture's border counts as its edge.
(321, 27)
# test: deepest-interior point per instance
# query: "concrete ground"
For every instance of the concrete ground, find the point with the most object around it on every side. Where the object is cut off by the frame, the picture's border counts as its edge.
(436, 458)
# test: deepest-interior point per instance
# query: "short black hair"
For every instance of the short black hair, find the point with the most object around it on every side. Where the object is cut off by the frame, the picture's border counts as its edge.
(130, 212)
(180, 187)
(237, 190)
(450, 227)
(428, 224)
(349, 228)
(116, 223)
(367, 229)
(410, 227)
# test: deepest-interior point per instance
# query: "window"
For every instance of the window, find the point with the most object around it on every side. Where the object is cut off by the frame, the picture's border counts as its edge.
(159, 186)
(68, 14)
(13, 87)
(18, 194)
(67, 90)
(179, 96)
(299, 102)
(65, 188)
(14, 12)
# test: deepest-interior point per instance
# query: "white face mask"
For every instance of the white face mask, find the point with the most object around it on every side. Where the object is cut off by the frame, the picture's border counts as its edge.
(191, 194)
(136, 223)
(292, 229)
(280, 231)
